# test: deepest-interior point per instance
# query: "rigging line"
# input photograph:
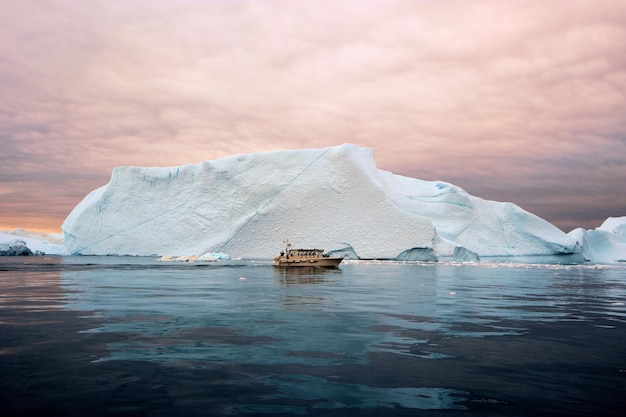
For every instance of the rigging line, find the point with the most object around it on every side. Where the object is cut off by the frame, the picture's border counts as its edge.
(77, 252)
(268, 202)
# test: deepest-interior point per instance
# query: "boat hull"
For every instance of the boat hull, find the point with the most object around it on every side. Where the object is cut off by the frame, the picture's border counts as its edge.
(299, 263)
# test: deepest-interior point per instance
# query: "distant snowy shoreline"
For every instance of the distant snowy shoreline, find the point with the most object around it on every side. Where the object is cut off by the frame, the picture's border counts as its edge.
(333, 198)
(605, 244)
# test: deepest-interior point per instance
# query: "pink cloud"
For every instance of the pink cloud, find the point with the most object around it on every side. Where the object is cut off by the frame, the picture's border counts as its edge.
(493, 95)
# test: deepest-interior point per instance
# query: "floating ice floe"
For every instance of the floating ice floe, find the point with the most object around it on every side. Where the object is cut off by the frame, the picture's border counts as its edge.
(207, 257)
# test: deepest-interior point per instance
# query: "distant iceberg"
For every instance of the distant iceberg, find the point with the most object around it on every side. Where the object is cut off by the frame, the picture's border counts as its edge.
(15, 248)
(606, 243)
(21, 242)
(333, 198)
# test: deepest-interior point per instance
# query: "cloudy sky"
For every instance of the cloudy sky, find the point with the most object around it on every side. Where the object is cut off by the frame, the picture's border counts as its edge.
(521, 101)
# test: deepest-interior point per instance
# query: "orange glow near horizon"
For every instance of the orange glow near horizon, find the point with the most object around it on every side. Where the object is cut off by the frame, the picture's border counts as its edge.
(33, 225)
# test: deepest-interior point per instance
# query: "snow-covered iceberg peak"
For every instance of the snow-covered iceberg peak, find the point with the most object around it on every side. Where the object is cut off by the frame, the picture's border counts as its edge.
(333, 198)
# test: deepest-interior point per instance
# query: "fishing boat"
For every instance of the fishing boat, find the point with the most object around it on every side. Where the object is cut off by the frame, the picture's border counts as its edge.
(305, 257)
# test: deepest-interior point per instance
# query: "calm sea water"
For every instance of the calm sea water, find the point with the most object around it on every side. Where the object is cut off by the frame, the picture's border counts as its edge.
(136, 336)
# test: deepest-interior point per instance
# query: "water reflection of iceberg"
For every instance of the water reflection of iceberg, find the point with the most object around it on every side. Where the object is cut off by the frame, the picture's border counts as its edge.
(315, 393)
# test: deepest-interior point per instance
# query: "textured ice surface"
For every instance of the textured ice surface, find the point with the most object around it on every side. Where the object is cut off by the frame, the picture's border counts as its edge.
(606, 243)
(333, 198)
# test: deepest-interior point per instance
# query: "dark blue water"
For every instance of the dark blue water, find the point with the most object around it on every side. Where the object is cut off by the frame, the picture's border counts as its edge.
(136, 336)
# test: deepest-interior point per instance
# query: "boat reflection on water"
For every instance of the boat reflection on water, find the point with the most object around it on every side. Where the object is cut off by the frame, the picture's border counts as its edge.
(304, 275)
(306, 289)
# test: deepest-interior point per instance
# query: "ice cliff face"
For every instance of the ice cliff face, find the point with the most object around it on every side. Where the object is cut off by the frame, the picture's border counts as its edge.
(334, 198)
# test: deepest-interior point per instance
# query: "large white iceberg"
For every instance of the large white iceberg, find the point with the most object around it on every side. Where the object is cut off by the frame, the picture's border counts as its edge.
(333, 198)
(606, 243)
